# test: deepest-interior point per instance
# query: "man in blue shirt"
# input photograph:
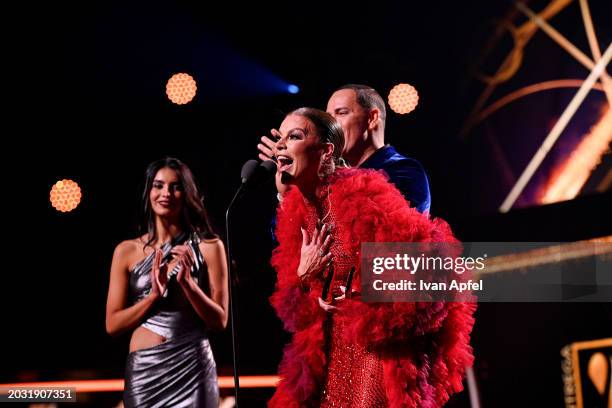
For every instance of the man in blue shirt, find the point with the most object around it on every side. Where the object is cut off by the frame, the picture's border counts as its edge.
(361, 112)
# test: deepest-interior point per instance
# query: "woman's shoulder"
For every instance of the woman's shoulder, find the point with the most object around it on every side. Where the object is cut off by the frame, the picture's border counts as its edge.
(212, 242)
(213, 252)
(212, 247)
(369, 182)
(129, 248)
(357, 173)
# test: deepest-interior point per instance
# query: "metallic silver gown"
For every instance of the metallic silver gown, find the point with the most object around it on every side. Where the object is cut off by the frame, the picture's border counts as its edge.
(181, 371)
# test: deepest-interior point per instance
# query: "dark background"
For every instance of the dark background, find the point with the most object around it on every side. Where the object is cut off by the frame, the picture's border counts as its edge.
(89, 104)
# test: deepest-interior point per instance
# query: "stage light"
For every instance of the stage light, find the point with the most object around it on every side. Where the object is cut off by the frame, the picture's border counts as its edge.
(181, 88)
(293, 89)
(403, 98)
(65, 195)
(571, 175)
(117, 385)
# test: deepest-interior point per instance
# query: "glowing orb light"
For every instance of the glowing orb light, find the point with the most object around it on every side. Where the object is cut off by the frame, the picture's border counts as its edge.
(65, 195)
(403, 98)
(181, 88)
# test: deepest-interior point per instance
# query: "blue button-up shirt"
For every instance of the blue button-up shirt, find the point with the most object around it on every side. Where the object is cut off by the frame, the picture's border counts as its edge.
(407, 174)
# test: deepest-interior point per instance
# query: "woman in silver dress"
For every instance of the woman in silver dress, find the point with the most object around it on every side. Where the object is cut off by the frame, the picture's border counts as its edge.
(168, 287)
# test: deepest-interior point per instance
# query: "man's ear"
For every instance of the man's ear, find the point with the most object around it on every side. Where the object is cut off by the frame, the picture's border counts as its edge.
(373, 118)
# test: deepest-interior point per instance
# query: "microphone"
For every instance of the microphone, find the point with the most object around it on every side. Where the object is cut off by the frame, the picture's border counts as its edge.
(248, 169)
(269, 166)
(254, 173)
(327, 282)
(349, 283)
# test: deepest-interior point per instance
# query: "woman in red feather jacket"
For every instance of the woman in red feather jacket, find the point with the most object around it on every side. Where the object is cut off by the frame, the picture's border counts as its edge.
(348, 353)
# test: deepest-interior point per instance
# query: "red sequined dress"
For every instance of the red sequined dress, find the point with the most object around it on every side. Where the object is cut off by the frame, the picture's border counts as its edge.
(354, 374)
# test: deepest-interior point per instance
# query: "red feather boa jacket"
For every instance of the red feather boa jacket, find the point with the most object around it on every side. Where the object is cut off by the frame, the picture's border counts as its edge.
(425, 345)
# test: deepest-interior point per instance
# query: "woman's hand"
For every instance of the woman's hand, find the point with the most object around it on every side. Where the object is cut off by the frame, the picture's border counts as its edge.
(315, 255)
(267, 151)
(329, 307)
(185, 260)
(159, 276)
(267, 146)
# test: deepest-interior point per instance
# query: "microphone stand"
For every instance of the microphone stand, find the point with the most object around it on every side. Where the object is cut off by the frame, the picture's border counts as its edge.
(232, 303)
(248, 174)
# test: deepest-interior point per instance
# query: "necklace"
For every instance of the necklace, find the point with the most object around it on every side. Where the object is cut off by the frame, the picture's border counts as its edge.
(321, 221)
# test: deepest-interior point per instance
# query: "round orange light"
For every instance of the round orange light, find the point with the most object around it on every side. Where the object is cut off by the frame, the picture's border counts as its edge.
(181, 88)
(403, 98)
(65, 195)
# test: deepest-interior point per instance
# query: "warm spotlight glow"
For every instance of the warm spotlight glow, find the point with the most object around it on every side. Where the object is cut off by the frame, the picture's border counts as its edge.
(569, 177)
(65, 195)
(181, 88)
(403, 98)
(116, 385)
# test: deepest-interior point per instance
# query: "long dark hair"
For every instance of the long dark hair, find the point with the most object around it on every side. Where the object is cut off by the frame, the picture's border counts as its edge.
(194, 217)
